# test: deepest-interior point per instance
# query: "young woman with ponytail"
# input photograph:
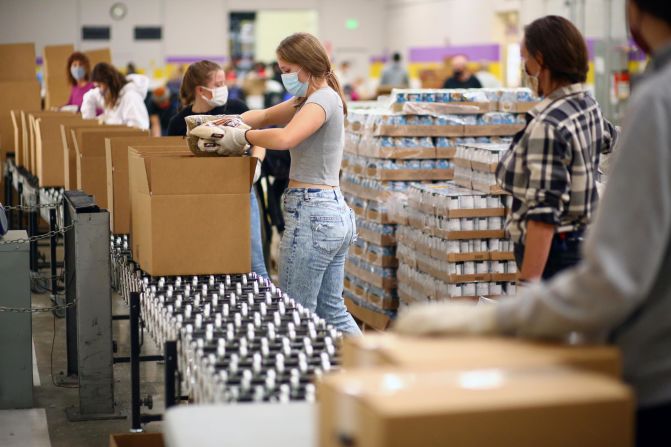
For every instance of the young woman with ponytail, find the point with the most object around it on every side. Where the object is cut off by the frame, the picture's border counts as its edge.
(319, 224)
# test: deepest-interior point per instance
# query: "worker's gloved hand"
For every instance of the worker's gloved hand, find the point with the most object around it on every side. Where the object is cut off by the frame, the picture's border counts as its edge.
(257, 171)
(233, 140)
(447, 319)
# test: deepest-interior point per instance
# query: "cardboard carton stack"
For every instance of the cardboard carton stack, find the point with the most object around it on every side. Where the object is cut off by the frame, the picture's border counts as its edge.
(414, 139)
(451, 245)
(56, 77)
(398, 391)
(19, 90)
(189, 215)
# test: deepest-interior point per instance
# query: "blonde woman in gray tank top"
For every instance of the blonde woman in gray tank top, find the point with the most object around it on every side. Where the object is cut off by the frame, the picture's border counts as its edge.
(319, 226)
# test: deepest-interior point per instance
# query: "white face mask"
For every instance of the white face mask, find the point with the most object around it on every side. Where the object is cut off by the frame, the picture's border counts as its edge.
(219, 96)
(531, 81)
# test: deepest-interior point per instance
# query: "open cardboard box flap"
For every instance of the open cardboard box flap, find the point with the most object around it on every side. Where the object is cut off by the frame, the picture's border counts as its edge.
(187, 174)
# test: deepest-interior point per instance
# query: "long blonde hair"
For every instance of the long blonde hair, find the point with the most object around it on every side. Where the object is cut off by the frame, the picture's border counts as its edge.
(306, 51)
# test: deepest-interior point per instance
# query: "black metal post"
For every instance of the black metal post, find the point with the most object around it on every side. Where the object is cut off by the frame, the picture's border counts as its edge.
(136, 424)
(20, 202)
(32, 225)
(8, 196)
(170, 354)
(54, 241)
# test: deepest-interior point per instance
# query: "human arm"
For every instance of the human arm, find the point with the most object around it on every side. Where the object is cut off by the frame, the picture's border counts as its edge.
(536, 249)
(305, 123)
(133, 111)
(155, 125)
(277, 115)
(92, 102)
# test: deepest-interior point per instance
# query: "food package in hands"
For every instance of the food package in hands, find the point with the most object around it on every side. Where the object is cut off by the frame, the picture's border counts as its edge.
(206, 126)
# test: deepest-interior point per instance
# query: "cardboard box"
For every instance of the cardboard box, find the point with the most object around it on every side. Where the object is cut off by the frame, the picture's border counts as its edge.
(55, 61)
(18, 136)
(190, 215)
(136, 440)
(99, 55)
(89, 145)
(18, 62)
(49, 154)
(116, 166)
(17, 95)
(476, 352)
(57, 92)
(551, 407)
(30, 119)
(69, 152)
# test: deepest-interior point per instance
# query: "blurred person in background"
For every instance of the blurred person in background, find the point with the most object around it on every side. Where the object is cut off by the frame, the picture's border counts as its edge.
(162, 104)
(486, 77)
(204, 92)
(120, 97)
(395, 74)
(461, 75)
(621, 291)
(78, 72)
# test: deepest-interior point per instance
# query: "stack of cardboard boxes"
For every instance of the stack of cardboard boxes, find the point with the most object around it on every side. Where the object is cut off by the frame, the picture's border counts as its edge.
(398, 391)
(19, 90)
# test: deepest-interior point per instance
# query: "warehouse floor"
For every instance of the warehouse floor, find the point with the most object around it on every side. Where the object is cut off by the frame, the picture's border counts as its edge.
(56, 399)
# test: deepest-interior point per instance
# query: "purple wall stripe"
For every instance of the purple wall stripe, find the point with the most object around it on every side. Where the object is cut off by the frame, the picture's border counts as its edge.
(490, 52)
(635, 54)
(192, 59)
(38, 60)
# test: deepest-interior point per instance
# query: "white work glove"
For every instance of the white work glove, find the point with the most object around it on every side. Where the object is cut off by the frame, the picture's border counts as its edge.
(447, 319)
(257, 171)
(233, 141)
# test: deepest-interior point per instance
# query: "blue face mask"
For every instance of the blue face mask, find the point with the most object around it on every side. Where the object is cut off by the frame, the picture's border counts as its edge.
(293, 85)
(78, 72)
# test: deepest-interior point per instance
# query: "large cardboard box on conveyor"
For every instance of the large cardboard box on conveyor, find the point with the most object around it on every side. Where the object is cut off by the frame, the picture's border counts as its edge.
(190, 215)
(549, 407)
(116, 163)
(89, 144)
(69, 152)
(19, 90)
(56, 77)
(49, 154)
(28, 118)
(383, 350)
(99, 55)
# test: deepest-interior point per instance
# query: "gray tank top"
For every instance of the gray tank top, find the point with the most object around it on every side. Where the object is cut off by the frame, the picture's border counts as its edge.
(317, 159)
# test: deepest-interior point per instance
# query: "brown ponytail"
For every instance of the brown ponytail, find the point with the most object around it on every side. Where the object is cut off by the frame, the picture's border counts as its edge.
(306, 51)
(198, 73)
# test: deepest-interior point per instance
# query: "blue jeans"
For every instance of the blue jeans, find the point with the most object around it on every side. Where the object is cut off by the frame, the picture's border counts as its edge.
(258, 262)
(319, 228)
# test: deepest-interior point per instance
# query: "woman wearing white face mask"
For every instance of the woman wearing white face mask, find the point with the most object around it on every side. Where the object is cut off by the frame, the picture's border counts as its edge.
(319, 224)
(552, 166)
(79, 70)
(204, 92)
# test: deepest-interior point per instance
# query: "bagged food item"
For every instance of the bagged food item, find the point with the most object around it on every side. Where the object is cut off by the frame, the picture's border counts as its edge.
(203, 142)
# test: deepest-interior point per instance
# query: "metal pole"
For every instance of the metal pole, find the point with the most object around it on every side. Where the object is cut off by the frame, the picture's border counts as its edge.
(53, 241)
(136, 425)
(32, 224)
(170, 351)
(20, 190)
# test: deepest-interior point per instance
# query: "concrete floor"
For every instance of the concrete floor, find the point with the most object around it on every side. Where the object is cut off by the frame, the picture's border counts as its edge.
(55, 399)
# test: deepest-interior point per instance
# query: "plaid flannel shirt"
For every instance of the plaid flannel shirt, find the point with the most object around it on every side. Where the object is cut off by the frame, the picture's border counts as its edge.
(552, 165)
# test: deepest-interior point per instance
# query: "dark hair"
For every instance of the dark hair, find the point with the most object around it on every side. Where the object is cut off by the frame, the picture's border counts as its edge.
(104, 72)
(396, 57)
(657, 8)
(83, 60)
(560, 45)
(306, 51)
(197, 74)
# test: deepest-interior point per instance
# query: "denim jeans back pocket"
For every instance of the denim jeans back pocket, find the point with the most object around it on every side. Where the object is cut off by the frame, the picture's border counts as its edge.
(328, 233)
